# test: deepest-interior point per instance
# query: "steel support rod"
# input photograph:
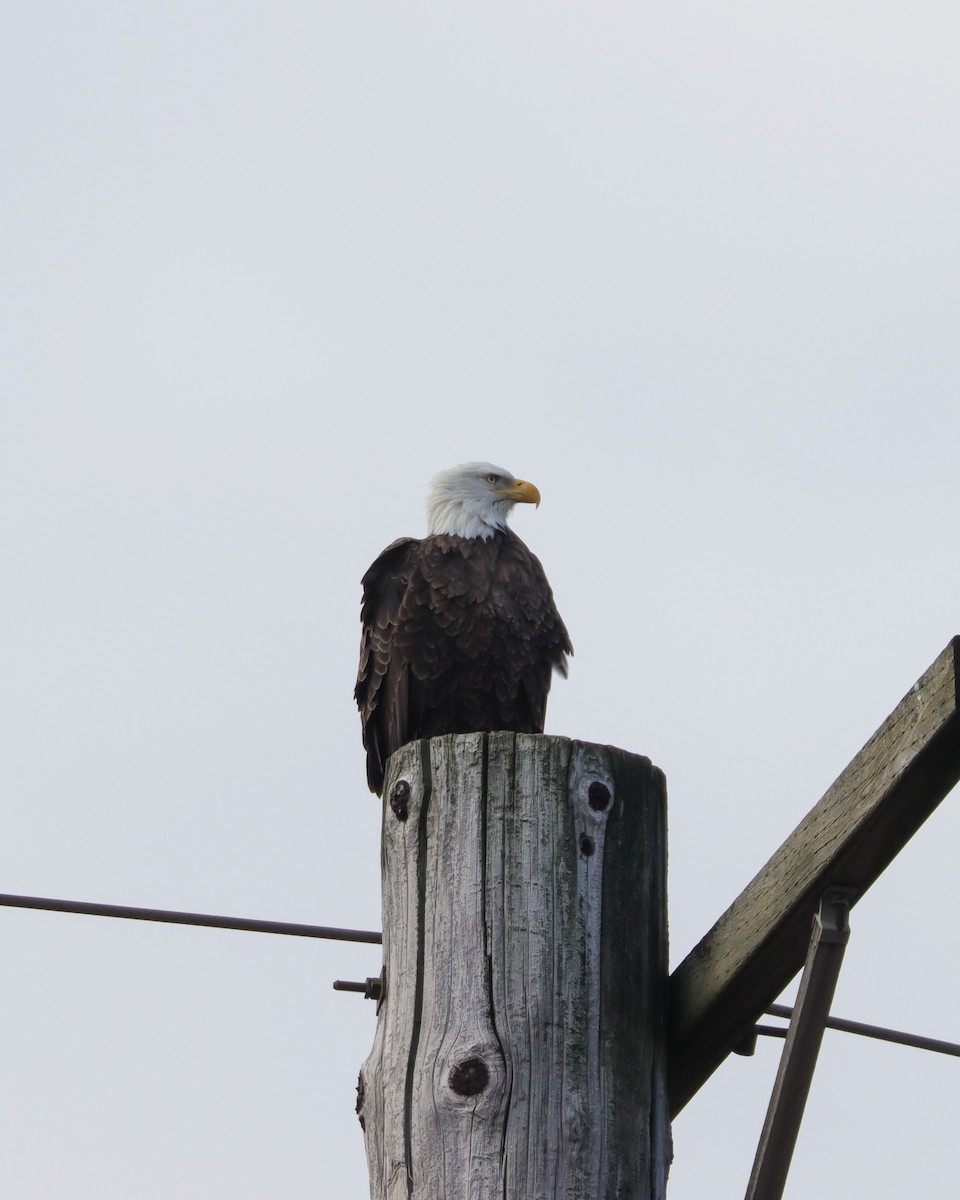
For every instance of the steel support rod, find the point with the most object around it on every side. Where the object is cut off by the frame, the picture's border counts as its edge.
(186, 918)
(831, 931)
(917, 1040)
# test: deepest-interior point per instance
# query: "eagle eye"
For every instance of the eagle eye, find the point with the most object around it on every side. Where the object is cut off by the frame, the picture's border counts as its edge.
(493, 479)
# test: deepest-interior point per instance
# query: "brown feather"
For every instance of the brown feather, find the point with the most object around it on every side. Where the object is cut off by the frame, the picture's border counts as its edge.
(460, 635)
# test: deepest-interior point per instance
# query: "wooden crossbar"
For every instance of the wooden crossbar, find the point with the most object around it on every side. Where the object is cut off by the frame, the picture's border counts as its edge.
(859, 826)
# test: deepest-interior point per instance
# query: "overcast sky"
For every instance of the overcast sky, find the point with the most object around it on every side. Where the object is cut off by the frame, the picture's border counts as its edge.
(266, 267)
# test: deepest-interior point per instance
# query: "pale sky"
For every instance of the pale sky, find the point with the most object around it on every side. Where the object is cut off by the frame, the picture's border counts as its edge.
(693, 270)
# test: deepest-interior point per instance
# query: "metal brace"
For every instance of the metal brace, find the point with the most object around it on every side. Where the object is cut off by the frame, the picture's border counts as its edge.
(831, 932)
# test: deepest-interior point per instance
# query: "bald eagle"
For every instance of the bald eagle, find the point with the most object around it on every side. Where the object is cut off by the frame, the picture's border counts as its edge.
(460, 631)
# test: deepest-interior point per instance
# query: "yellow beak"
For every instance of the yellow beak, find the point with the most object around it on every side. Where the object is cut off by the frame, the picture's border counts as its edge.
(523, 493)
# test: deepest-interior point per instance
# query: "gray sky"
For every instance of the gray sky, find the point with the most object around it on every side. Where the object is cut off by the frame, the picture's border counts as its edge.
(692, 269)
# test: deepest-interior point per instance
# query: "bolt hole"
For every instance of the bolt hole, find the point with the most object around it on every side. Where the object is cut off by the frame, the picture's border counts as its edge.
(598, 796)
(400, 800)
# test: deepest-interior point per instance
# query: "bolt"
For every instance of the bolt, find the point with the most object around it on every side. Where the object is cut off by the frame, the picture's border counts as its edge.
(371, 988)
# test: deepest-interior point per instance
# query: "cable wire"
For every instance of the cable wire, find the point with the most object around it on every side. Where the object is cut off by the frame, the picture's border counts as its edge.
(915, 1040)
(185, 918)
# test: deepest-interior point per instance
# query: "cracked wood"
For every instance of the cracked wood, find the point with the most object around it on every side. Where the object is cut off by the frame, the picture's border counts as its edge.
(520, 1050)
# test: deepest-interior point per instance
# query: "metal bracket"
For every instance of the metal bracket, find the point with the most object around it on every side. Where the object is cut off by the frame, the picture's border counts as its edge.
(831, 932)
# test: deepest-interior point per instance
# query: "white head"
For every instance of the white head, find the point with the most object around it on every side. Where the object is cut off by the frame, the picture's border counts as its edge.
(475, 499)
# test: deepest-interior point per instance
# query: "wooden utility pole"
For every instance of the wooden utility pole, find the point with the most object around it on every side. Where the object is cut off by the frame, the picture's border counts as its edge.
(520, 1048)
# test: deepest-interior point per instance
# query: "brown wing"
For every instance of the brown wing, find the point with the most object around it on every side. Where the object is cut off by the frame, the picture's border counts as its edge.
(539, 642)
(459, 636)
(481, 637)
(382, 691)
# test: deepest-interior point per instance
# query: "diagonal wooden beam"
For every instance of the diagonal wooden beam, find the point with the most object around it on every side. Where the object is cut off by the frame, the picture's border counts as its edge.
(872, 810)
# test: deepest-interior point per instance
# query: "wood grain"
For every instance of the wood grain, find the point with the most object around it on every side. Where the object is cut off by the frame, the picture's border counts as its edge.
(520, 1053)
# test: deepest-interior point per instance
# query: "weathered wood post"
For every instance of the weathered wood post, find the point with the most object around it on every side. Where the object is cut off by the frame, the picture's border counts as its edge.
(520, 1045)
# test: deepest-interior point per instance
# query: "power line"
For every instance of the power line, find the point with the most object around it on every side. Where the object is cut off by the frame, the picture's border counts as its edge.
(170, 917)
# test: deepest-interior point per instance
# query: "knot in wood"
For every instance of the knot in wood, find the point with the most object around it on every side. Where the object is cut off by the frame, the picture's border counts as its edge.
(400, 800)
(598, 796)
(469, 1077)
(361, 1093)
(587, 846)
